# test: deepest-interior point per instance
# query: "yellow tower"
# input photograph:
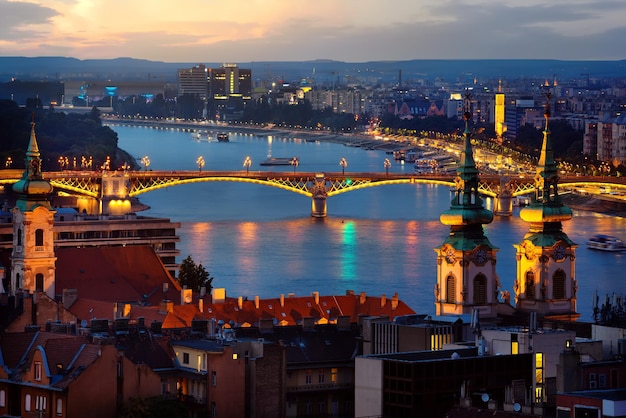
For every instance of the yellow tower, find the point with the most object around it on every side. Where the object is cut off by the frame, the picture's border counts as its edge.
(500, 127)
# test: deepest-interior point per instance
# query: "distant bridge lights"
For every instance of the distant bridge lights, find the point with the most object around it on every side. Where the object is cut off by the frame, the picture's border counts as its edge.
(387, 165)
(343, 163)
(64, 162)
(247, 163)
(200, 163)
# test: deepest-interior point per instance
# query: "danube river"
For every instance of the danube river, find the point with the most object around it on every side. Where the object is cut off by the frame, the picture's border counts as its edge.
(258, 240)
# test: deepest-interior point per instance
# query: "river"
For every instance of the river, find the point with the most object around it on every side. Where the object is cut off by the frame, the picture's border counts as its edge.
(257, 240)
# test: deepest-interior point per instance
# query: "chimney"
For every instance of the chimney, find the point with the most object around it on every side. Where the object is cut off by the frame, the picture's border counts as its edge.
(240, 302)
(256, 302)
(69, 297)
(166, 306)
(362, 298)
(349, 292)
(383, 300)
(394, 301)
(316, 295)
(201, 305)
(219, 295)
(282, 300)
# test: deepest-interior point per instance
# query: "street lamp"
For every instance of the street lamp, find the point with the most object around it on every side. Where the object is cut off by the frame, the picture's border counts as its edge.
(247, 163)
(343, 163)
(295, 163)
(146, 162)
(9, 162)
(387, 165)
(200, 162)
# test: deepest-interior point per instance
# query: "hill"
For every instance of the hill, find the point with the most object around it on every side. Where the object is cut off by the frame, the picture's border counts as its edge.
(64, 68)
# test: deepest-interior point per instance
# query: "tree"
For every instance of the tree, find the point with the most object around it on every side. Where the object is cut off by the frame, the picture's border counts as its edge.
(194, 276)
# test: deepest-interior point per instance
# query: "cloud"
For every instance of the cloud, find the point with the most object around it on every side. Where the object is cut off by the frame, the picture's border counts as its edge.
(19, 19)
(349, 30)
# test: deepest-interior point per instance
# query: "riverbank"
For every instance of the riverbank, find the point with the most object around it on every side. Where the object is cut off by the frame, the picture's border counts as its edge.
(598, 204)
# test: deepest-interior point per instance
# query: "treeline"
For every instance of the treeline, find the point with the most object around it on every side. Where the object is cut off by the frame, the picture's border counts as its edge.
(69, 141)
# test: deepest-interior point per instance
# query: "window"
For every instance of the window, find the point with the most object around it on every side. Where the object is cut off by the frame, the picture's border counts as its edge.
(214, 378)
(307, 378)
(558, 285)
(480, 289)
(59, 407)
(37, 370)
(39, 238)
(27, 403)
(450, 289)
(40, 403)
(333, 375)
(19, 236)
(3, 399)
(39, 282)
(530, 285)
(185, 358)
(539, 377)
(320, 376)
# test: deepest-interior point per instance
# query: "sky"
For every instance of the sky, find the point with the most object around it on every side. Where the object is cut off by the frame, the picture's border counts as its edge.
(299, 30)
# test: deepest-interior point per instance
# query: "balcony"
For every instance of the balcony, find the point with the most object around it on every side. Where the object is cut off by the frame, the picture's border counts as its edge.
(320, 387)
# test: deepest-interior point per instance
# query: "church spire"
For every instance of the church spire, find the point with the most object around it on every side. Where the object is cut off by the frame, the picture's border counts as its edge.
(546, 281)
(32, 188)
(466, 276)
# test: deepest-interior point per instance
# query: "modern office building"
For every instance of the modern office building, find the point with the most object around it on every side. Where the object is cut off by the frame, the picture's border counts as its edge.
(193, 81)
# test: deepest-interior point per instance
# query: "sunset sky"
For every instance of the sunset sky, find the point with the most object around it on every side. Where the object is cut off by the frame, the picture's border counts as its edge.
(297, 30)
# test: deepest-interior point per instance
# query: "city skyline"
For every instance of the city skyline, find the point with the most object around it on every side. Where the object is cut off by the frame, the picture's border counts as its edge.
(277, 30)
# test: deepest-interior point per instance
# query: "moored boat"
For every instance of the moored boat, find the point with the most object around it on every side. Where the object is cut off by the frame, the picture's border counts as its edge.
(222, 137)
(277, 161)
(606, 243)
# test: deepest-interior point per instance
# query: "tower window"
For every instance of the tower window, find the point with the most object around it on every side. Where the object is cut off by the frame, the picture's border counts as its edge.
(480, 290)
(450, 289)
(530, 285)
(558, 285)
(39, 238)
(39, 282)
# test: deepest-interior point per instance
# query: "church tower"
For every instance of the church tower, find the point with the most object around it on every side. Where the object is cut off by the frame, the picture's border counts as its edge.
(32, 259)
(466, 262)
(545, 281)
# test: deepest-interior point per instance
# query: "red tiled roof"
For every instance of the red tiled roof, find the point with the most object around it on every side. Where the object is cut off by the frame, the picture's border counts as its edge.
(181, 317)
(115, 274)
(89, 309)
(294, 309)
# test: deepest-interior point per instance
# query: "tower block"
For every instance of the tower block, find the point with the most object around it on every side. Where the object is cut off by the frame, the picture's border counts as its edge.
(546, 266)
(466, 262)
(32, 258)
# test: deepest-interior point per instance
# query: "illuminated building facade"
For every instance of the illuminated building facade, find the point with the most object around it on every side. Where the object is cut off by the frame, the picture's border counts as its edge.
(230, 81)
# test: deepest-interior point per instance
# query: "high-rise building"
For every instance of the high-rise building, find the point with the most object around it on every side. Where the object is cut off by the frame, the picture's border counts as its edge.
(499, 113)
(193, 81)
(230, 81)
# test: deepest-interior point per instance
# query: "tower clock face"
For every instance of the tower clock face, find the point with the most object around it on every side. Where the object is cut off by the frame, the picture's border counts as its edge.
(559, 252)
(480, 257)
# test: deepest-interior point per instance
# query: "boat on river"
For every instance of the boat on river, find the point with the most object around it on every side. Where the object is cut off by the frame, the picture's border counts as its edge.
(277, 161)
(606, 243)
(222, 137)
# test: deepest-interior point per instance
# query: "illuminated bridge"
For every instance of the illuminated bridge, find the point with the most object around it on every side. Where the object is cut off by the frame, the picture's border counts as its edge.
(112, 189)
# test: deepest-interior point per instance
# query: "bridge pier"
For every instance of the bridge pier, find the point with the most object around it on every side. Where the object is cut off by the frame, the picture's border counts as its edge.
(503, 202)
(318, 206)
